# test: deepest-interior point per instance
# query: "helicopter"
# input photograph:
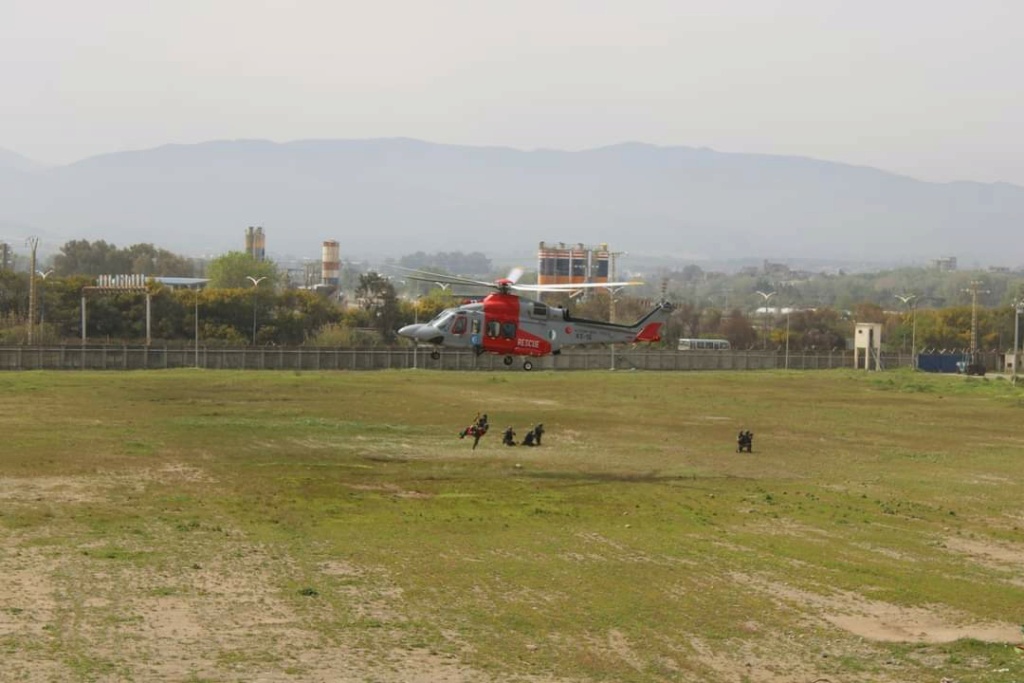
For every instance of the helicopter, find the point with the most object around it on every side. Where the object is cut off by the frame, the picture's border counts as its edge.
(507, 324)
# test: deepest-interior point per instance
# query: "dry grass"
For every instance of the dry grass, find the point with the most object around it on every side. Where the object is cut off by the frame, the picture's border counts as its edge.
(218, 526)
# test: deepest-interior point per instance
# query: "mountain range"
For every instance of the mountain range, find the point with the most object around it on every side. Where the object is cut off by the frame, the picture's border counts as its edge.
(396, 196)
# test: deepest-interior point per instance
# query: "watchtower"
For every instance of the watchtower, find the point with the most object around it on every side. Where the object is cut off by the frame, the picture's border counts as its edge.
(868, 336)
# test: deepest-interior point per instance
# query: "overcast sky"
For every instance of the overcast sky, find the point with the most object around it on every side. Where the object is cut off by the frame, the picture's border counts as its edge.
(929, 88)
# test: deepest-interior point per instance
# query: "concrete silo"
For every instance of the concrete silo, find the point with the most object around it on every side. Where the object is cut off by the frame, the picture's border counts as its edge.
(330, 272)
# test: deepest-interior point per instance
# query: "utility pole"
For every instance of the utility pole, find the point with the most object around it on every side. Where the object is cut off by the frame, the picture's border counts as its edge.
(1018, 309)
(974, 289)
(611, 278)
(33, 244)
(766, 296)
(611, 295)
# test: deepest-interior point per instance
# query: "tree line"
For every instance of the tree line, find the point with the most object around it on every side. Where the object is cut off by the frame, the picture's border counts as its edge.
(250, 302)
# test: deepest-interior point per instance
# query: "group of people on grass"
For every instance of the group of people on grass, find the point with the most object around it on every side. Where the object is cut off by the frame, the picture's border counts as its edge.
(532, 437)
(480, 425)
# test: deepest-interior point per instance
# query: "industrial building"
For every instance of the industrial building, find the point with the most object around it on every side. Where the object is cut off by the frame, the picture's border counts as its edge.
(256, 243)
(570, 265)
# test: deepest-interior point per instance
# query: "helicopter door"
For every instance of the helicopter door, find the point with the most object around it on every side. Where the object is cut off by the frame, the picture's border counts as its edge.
(474, 333)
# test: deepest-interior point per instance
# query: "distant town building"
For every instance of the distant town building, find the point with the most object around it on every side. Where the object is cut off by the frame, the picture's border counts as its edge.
(776, 269)
(256, 243)
(945, 264)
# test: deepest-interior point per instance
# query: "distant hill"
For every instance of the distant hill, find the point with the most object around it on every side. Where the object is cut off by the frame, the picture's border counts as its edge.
(12, 161)
(397, 196)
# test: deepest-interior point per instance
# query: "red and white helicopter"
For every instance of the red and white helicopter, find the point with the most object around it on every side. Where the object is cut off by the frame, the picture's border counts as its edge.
(507, 324)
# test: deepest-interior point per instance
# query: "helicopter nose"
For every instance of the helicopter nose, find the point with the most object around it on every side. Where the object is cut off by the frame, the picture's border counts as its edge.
(409, 331)
(423, 333)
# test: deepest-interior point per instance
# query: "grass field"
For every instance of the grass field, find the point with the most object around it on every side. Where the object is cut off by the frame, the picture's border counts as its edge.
(247, 526)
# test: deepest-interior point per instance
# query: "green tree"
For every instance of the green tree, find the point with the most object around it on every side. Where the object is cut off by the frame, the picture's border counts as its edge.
(821, 328)
(233, 270)
(376, 296)
(737, 328)
(150, 260)
(82, 257)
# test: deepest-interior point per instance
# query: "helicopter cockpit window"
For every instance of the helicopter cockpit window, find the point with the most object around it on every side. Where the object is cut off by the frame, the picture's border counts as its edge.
(459, 326)
(493, 328)
(441, 321)
(508, 330)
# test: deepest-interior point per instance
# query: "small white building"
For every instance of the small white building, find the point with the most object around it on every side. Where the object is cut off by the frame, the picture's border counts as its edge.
(1010, 363)
(868, 337)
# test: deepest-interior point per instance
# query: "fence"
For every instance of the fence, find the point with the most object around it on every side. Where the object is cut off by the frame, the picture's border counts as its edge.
(395, 358)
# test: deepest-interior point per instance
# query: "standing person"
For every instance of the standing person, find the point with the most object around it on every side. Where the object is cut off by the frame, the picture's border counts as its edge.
(538, 432)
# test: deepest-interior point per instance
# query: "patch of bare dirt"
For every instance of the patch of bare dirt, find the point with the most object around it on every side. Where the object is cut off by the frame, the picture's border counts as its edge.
(218, 608)
(882, 621)
(784, 661)
(57, 490)
(989, 553)
(600, 548)
(92, 488)
(179, 472)
(391, 489)
(1000, 556)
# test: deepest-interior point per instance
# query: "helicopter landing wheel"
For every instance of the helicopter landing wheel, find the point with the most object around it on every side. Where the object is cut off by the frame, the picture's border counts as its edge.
(435, 355)
(508, 360)
(527, 365)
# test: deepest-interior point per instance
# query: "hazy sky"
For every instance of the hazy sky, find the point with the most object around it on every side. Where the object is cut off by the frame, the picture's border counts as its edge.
(930, 88)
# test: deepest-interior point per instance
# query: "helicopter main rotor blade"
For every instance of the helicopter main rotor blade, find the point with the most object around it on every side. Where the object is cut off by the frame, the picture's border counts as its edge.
(574, 287)
(427, 276)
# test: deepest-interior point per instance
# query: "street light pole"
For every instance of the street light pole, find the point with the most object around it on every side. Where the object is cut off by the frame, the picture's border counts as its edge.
(416, 321)
(255, 285)
(787, 338)
(765, 296)
(197, 326)
(910, 301)
(33, 243)
(42, 296)
(1018, 309)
